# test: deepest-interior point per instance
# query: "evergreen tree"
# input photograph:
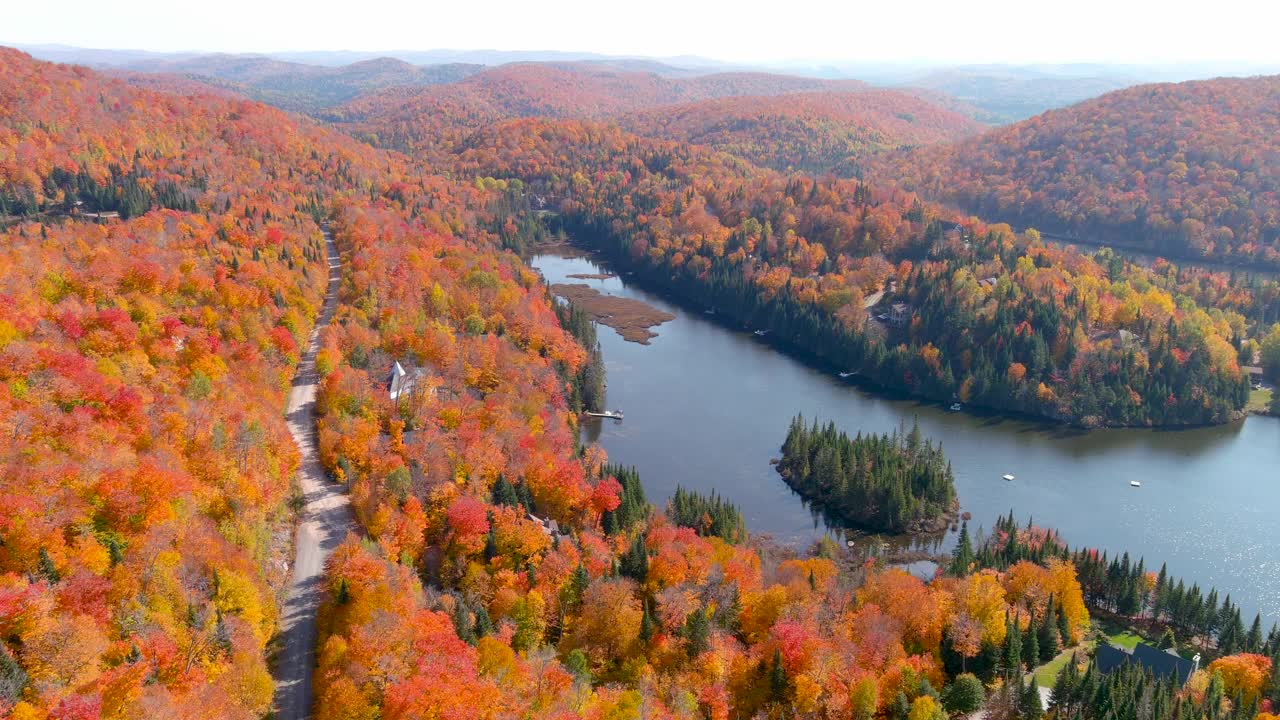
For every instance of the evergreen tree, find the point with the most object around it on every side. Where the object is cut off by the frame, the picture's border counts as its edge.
(891, 482)
(779, 683)
(648, 626)
(1064, 686)
(729, 616)
(484, 625)
(1031, 644)
(13, 679)
(1029, 706)
(1253, 641)
(576, 587)
(964, 695)
(697, 633)
(962, 556)
(635, 563)
(901, 708)
(1048, 633)
(1012, 650)
(504, 493)
(462, 622)
(47, 569)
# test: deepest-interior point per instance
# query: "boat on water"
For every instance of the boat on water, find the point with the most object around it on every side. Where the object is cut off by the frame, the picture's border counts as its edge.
(610, 414)
(1006, 477)
(847, 374)
(762, 333)
(955, 407)
(1135, 483)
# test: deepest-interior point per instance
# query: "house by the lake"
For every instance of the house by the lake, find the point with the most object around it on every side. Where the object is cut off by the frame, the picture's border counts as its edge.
(1160, 663)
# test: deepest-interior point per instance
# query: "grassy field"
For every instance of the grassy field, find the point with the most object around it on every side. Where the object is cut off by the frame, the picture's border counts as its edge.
(1124, 639)
(1259, 400)
(1046, 674)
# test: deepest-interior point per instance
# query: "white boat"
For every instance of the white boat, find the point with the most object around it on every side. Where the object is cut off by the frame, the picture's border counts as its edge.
(848, 374)
(1135, 483)
(1006, 477)
(955, 407)
(762, 333)
(610, 414)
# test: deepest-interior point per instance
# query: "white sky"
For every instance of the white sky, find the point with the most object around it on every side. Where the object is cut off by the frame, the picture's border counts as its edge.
(1005, 31)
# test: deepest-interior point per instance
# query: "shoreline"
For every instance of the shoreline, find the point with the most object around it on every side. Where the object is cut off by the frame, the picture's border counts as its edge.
(647, 278)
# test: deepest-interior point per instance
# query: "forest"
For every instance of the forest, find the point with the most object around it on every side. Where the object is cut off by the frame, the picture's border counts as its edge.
(1239, 676)
(892, 482)
(503, 568)
(1116, 169)
(998, 319)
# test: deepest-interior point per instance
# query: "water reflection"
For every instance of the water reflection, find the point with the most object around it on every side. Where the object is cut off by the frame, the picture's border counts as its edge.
(707, 407)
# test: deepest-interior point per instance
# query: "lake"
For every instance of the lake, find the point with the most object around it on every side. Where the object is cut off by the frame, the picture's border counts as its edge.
(707, 407)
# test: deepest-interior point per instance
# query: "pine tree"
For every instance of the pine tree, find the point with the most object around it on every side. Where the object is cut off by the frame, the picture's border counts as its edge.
(729, 616)
(1064, 686)
(462, 623)
(576, 587)
(901, 708)
(648, 626)
(778, 681)
(635, 564)
(962, 556)
(484, 625)
(491, 542)
(1031, 644)
(13, 679)
(1012, 650)
(504, 493)
(697, 633)
(1064, 627)
(1029, 706)
(1253, 641)
(1213, 696)
(1048, 633)
(47, 569)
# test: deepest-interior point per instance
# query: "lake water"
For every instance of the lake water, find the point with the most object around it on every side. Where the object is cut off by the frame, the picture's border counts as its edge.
(707, 407)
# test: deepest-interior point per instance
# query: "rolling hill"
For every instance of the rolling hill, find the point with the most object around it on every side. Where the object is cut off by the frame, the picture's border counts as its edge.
(730, 110)
(812, 131)
(1188, 170)
(302, 87)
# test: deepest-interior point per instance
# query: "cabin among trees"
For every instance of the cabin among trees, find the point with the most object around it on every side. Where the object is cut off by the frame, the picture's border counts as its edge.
(402, 381)
(899, 314)
(1162, 664)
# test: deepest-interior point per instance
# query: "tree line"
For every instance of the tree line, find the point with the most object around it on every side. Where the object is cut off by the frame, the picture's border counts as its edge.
(892, 482)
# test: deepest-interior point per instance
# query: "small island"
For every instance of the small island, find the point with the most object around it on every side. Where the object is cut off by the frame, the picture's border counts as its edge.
(631, 318)
(892, 483)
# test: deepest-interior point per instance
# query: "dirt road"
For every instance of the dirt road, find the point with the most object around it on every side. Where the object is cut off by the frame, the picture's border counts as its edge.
(324, 524)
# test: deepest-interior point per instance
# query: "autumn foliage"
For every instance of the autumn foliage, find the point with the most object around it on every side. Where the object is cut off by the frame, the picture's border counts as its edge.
(1183, 169)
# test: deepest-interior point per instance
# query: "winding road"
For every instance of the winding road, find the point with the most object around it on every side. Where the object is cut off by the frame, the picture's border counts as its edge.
(325, 522)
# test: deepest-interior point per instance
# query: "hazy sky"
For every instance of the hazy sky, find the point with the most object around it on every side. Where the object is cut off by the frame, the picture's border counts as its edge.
(1011, 31)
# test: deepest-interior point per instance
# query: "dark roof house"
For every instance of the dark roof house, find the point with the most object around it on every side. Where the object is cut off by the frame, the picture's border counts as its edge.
(1160, 663)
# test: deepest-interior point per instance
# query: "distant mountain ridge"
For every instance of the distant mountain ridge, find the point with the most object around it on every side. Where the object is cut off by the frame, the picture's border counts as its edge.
(301, 87)
(1186, 170)
(815, 131)
(734, 111)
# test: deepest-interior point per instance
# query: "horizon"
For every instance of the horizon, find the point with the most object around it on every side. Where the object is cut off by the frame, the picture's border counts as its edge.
(998, 32)
(888, 70)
